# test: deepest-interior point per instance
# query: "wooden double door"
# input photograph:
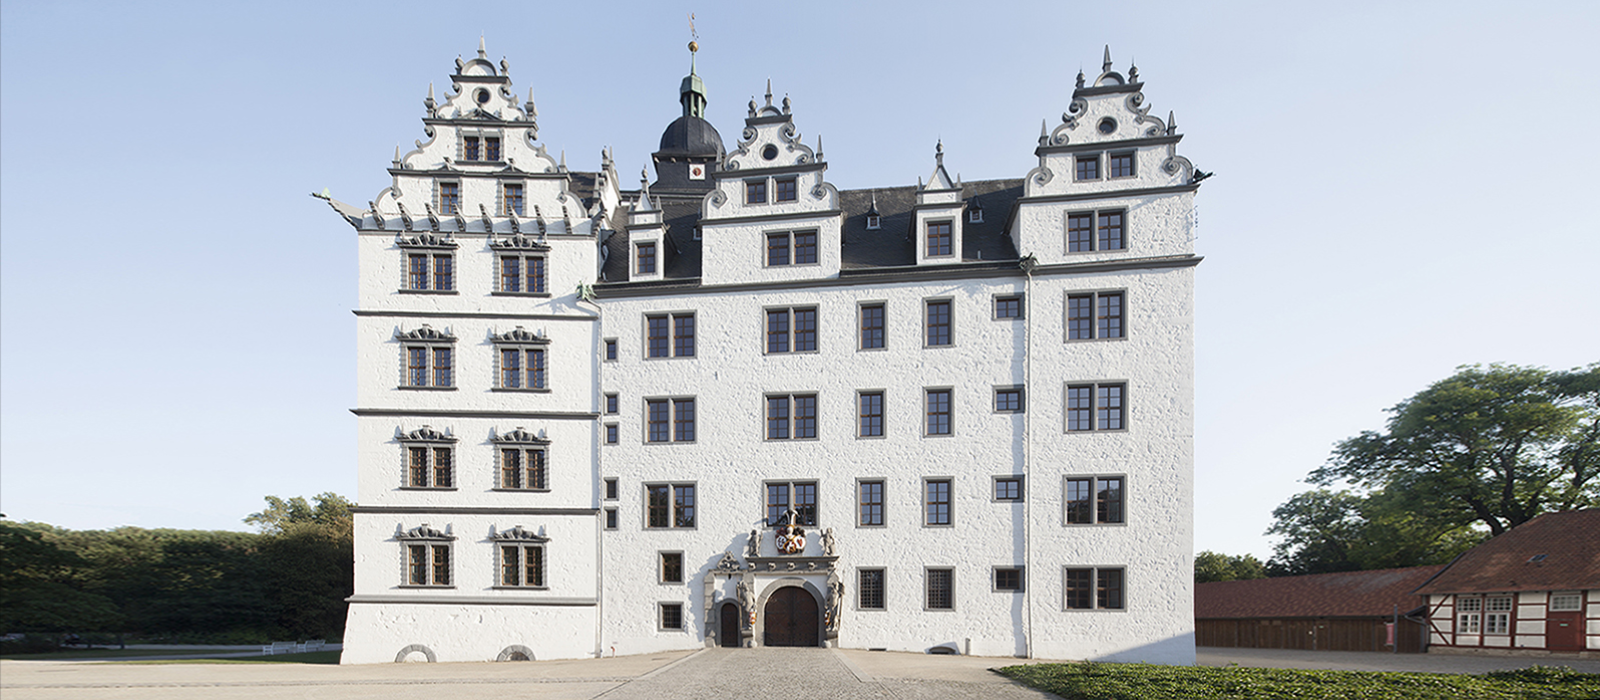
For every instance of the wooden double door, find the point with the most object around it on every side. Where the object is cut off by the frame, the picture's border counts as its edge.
(792, 619)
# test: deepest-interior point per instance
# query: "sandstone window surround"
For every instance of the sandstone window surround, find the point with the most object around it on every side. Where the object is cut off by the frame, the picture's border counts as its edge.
(429, 263)
(427, 358)
(1096, 315)
(1095, 500)
(1100, 406)
(426, 553)
(523, 461)
(1089, 231)
(1093, 588)
(428, 459)
(521, 556)
(521, 360)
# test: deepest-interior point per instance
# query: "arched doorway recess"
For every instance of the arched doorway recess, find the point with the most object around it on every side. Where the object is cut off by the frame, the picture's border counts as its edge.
(791, 618)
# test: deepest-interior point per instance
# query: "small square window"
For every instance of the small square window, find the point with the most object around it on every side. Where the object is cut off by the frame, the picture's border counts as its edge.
(672, 616)
(1121, 165)
(611, 349)
(874, 222)
(671, 567)
(974, 216)
(1007, 307)
(611, 433)
(1008, 488)
(1088, 166)
(785, 190)
(611, 488)
(1008, 400)
(1008, 579)
(612, 403)
(611, 518)
(755, 192)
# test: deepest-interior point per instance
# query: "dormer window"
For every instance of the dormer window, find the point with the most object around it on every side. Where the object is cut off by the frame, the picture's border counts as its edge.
(646, 259)
(975, 215)
(755, 192)
(874, 222)
(785, 190)
(939, 239)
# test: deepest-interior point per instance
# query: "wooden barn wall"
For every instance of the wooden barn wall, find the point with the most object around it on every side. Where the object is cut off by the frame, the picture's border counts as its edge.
(1330, 634)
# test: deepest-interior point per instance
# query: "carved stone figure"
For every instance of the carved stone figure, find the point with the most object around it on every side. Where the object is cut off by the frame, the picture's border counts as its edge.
(753, 545)
(835, 600)
(747, 598)
(830, 546)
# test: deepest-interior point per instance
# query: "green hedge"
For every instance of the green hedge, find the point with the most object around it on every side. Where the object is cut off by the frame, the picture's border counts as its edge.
(1105, 681)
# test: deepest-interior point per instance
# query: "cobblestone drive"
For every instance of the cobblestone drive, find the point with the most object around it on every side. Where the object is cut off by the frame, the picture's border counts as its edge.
(805, 674)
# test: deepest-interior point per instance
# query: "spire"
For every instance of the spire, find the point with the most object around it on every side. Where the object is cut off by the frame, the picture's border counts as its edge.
(819, 147)
(481, 52)
(1107, 67)
(769, 92)
(1044, 135)
(692, 93)
(940, 179)
(644, 190)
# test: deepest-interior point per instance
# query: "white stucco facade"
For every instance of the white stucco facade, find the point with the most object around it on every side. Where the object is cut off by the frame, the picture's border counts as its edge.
(974, 399)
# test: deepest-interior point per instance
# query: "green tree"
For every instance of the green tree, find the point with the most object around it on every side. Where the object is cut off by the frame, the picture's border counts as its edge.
(310, 555)
(39, 591)
(1326, 531)
(1212, 566)
(1497, 446)
(330, 509)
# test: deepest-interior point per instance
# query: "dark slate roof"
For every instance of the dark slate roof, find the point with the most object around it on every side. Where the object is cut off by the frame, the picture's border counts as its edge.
(1569, 543)
(690, 136)
(1344, 594)
(892, 245)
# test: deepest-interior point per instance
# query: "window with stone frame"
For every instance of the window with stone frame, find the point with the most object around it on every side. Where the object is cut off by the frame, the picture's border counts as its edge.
(1008, 488)
(429, 458)
(869, 414)
(869, 498)
(936, 502)
(755, 191)
(937, 324)
(1093, 588)
(522, 558)
(429, 262)
(512, 199)
(644, 258)
(427, 357)
(670, 420)
(1007, 306)
(1120, 164)
(941, 589)
(480, 148)
(520, 360)
(1008, 579)
(791, 248)
(800, 496)
(449, 198)
(940, 239)
(937, 411)
(785, 189)
(671, 615)
(669, 567)
(1095, 500)
(791, 416)
(1096, 407)
(871, 336)
(870, 589)
(1089, 231)
(523, 461)
(792, 330)
(1008, 399)
(669, 506)
(1086, 166)
(669, 335)
(1095, 315)
(425, 554)
(521, 273)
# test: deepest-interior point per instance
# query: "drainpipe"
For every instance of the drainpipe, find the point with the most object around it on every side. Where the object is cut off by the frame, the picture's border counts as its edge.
(1027, 264)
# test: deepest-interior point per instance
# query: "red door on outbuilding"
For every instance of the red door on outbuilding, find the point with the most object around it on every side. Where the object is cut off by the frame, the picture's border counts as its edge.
(1563, 631)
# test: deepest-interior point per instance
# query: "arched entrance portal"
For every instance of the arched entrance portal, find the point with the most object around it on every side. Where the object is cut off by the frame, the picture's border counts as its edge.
(728, 634)
(791, 618)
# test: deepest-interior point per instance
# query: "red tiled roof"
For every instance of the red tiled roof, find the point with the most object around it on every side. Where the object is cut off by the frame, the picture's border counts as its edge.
(1569, 541)
(1346, 594)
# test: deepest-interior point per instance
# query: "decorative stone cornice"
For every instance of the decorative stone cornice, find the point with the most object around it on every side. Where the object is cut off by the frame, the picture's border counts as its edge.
(426, 333)
(519, 436)
(520, 335)
(425, 240)
(427, 434)
(520, 242)
(424, 532)
(517, 534)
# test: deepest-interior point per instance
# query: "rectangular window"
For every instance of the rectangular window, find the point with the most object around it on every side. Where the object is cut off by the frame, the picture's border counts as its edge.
(613, 404)
(611, 489)
(428, 565)
(1498, 618)
(1088, 166)
(1089, 231)
(938, 412)
(611, 518)
(512, 194)
(1008, 488)
(521, 274)
(429, 467)
(1094, 315)
(670, 420)
(936, 502)
(683, 420)
(430, 272)
(784, 189)
(1007, 307)
(791, 248)
(1093, 589)
(871, 502)
(429, 366)
(471, 148)
(671, 568)
(522, 368)
(669, 505)
(872, 327)
(939, 239)
(938, 323)
(444, 277)
(777, 249)
(669, 335)
(1095, 499)
(870, 589)
(1121, 164)
(1096, 407)
(672, 616)
(792, 417)
(755, 192)
(791, 330)
(612, 433)
(1008, 579)
(522, 565)
(1008, 400)
(799, 495)
(523, 469)
(449, 198)
(491, 148)
(941, 594)
(805, 247)
(870, 414)
(645, 260)
(1562, 602)
(610, 349)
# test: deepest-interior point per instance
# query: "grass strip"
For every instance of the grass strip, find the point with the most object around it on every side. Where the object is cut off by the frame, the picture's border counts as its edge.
(1110, 681)
(88, 654)
(310, 657)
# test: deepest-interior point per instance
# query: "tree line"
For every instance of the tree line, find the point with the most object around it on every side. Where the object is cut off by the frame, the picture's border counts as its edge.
(287, 581)
(1465, 459)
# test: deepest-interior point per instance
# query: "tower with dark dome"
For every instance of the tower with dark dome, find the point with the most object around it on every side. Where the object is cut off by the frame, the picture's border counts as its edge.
(690, 147)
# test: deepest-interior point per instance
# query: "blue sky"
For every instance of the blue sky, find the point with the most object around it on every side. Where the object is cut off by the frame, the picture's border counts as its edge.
(1401, 188)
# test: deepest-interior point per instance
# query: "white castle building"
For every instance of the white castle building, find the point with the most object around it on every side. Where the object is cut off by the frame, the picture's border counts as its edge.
(739, 406)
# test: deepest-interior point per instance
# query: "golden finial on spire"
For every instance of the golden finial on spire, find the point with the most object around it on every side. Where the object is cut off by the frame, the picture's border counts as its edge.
(694, 36)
